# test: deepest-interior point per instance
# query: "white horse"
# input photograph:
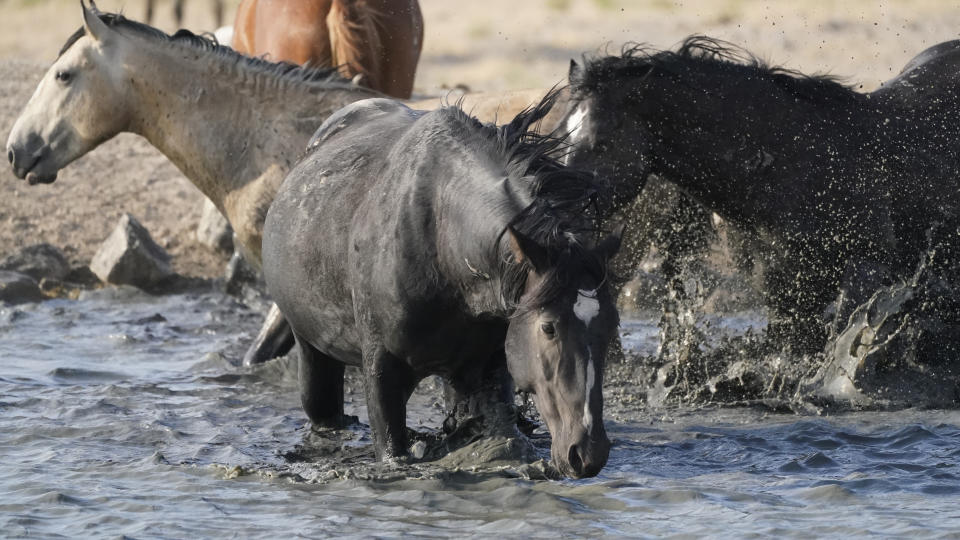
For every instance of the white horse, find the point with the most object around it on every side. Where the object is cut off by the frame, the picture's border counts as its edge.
(233, 125)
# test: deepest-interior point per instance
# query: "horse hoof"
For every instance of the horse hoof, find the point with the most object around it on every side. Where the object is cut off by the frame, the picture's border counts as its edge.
(334, 424)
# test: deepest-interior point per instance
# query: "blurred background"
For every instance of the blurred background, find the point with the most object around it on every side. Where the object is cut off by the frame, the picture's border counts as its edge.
(512, 44)
(486, 45)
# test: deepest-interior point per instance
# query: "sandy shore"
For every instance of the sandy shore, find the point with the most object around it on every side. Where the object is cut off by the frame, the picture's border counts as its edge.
(490, 45)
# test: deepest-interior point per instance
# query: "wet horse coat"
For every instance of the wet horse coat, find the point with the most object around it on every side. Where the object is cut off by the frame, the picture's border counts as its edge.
(837, 180)
(413, 243)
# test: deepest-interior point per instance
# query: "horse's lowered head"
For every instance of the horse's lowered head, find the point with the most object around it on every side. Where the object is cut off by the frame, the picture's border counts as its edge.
(557, 340)
(79, 103)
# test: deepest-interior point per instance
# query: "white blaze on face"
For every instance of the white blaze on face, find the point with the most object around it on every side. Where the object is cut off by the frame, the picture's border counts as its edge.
(591, 379)
(586, 308)
(575, 122)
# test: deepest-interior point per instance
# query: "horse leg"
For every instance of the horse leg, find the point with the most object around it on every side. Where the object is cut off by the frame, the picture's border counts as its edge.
(321, 387)
(472, 392)
(799, 291)
(274, 339)
(684, 241)
(178, 12)
(388, 383)
(148, 16)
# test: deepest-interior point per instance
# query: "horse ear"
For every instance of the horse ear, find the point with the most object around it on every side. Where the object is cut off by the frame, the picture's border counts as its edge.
(525, 249)
(92, 24)
(575, 70)
(610, 245)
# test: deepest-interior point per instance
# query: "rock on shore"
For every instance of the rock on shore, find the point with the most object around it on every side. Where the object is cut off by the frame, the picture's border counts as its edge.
(129, 256)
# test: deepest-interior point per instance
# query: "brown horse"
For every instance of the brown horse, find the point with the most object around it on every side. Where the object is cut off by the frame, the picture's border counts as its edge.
(178, 12)
(377, 40)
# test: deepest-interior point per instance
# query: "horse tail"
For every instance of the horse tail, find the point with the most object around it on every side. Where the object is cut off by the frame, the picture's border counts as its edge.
(355, 41)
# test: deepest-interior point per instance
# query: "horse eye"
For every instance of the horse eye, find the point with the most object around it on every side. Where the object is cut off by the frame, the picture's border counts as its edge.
(548, 329)
(64, 76)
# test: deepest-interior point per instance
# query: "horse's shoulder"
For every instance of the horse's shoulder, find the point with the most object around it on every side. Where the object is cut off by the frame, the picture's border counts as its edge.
(360, 114)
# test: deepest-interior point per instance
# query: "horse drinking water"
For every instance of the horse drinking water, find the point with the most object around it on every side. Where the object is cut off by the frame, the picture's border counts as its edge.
(414, 243)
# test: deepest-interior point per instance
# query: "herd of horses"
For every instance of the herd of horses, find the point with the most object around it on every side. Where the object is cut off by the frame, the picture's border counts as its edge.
(413, 239)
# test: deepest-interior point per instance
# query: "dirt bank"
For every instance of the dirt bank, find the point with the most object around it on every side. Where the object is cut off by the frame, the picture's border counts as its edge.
(492, 45)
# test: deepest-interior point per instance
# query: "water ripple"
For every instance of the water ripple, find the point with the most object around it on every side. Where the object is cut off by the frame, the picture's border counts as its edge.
(157, 433)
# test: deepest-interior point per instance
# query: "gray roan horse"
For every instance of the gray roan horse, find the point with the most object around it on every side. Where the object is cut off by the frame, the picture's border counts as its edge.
(415, 243)
(841, 186)
(233, 125)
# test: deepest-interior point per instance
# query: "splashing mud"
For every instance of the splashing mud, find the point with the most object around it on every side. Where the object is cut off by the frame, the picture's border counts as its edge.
(899, 348)
(902, 347)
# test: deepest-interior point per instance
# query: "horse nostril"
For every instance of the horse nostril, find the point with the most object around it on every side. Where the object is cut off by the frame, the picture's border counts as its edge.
(573, 458)
(10, 155)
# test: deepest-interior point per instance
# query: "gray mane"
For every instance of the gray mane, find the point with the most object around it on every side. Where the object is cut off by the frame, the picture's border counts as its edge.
(325, 76)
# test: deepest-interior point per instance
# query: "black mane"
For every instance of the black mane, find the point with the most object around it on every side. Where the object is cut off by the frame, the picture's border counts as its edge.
(562, 218)
(284, 70)
(637, 60)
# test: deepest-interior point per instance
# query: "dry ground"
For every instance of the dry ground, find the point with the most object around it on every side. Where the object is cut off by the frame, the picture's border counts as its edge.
(488, 45)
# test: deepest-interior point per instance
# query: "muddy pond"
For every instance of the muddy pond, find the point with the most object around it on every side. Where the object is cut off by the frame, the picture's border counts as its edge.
(123, 414)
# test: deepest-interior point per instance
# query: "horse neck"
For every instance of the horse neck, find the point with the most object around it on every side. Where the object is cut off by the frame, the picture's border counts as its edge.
(741, 163)
(222, 123)
(471, 237)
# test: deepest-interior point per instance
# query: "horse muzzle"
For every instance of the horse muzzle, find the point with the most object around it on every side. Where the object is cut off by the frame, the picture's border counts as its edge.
(28, 164)
(584, 458)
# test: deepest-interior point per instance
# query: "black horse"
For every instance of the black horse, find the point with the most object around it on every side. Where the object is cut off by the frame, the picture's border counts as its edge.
(841, 186)
(413, 243)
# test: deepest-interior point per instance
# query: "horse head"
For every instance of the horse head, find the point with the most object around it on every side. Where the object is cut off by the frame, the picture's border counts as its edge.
(78, 104)
(603, 134)
(556, 343)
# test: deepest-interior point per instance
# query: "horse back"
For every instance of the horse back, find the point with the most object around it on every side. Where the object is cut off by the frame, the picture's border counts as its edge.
(310, 235)
(351, 240)
(933, 73)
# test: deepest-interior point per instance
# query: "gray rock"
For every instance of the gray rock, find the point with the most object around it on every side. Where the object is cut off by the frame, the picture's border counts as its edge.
(213, 230)
(38, 261)
(131, 257)
(16, 288)
(82, 276)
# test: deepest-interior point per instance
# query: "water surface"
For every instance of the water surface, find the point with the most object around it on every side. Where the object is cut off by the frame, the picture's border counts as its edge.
(124, 414)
